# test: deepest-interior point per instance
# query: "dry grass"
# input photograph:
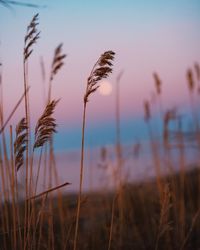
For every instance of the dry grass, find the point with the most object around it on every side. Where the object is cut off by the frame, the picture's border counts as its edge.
(57, 64)
(101, 69)
(20, 143)
(45, 126)
(159, 213)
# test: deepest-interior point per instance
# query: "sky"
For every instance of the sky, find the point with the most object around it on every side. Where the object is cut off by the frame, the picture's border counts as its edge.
(147, 36)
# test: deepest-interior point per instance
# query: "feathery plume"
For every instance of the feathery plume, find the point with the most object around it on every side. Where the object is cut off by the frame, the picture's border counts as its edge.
(58, 61)
(46, 125)
(101, 70)
(20, 143)
(157, 83)
(197, 69)
(190, 80)
(170, 114)
(147, 112)
(31, 37)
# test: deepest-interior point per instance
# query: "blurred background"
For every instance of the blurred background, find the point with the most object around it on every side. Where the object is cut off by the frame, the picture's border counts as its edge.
(147, 36)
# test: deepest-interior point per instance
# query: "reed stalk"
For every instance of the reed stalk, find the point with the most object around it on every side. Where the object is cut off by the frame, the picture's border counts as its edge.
(101, 69)
(31, 37)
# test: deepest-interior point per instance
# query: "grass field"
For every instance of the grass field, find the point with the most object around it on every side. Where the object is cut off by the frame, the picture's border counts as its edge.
(158, 213)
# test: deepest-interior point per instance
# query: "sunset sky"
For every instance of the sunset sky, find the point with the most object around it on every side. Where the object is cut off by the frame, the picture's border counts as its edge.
(147, 36)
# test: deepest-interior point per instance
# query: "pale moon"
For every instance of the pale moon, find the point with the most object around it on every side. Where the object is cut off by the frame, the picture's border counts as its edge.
(105, 88)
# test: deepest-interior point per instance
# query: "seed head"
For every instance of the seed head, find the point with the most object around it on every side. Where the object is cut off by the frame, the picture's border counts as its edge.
(20, 143)
(190, 80)
(157, 83)
(101, 70)
(147, 112)
(58, 61)
(32, 35)
(46, 125)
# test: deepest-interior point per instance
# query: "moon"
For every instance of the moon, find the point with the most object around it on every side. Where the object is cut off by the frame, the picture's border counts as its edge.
(105, 88)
